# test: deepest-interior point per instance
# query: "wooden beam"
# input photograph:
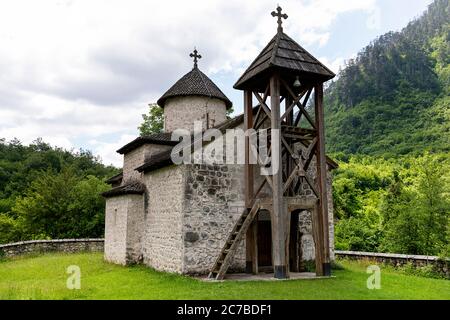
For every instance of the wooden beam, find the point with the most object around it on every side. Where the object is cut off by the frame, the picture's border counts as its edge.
(310, 153)
(255, 245)
(248, 173)
(279, 216)
(290, 107)
(262, 103)
(263, 183)
(322, 178)
(318, 240)
(255, 120)
(299, 115)
(301, 107)
(289, 121)
(289, 180)
(248, 168)
(260, 123)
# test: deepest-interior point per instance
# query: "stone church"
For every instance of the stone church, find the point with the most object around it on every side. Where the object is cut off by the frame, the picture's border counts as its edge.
(179, 218)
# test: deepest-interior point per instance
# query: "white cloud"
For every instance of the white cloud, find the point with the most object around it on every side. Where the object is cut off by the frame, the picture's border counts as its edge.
(334, 65)
(72, 70)
(107, 151)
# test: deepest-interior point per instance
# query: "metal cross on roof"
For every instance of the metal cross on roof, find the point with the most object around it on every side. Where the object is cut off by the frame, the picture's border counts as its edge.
(279, 15)
(196, 56)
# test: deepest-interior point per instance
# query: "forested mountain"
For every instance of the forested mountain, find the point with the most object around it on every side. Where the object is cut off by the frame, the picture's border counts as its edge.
(393, 98)
(388, 124)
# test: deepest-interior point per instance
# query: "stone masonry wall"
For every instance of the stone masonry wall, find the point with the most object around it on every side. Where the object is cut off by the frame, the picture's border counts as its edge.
(57, 245)
(440, 265)
(163, 238)
(137, 157)
(214, 202)
(124, 217)
(135, 228)
(116, 229)
(181, 112)
(307, 241)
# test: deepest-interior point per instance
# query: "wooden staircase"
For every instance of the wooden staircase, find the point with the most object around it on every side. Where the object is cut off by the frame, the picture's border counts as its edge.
(226, 255)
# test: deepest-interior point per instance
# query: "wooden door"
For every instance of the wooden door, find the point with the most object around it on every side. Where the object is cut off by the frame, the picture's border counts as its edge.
(294, 243)
(264, 243)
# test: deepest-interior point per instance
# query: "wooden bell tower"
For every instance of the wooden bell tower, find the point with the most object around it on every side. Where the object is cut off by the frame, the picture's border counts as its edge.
(281, 81)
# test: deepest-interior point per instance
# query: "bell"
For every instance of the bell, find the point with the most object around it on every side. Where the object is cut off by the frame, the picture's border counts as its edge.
(297, 82)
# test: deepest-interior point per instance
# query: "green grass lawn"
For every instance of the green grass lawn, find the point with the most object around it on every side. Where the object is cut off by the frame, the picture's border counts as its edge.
(44, 277)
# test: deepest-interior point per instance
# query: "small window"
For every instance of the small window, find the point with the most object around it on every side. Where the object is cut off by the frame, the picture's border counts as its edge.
(115, 216)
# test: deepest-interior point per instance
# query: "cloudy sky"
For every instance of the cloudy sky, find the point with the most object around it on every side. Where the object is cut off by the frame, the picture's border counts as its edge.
(79, 74)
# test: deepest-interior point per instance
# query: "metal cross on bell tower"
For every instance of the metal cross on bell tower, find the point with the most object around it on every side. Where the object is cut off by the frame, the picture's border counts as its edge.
(196, 56)
(280, 16)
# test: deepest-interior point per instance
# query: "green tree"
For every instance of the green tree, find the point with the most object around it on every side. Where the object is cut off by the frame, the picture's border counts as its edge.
(62, 206)
(9, 229)
(432, 203)
(153, 121)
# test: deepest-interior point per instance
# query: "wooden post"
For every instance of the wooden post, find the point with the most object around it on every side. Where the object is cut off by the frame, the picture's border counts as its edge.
(322, 180)
(318, 239)
(289, 122)
(250, 243)
(254, 229)
(279, 216)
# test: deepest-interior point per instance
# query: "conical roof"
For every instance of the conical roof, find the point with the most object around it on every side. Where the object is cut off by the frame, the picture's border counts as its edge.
(194, 83)
(284, 53)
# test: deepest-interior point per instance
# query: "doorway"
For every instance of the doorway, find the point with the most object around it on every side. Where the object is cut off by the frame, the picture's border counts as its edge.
(264, 240)
(295, 254)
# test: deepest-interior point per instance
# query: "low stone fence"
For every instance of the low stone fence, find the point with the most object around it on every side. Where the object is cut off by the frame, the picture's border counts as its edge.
(58, 245)
(398, 260)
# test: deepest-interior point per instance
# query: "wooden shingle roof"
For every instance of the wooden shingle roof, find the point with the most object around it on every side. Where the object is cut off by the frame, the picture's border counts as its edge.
(194, 83)
(115, 179)
(162, 138)
(284, 54)
(130, 188)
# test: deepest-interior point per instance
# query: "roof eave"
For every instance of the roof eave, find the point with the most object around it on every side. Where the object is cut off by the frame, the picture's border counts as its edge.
(140, 141)
(162, 101)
